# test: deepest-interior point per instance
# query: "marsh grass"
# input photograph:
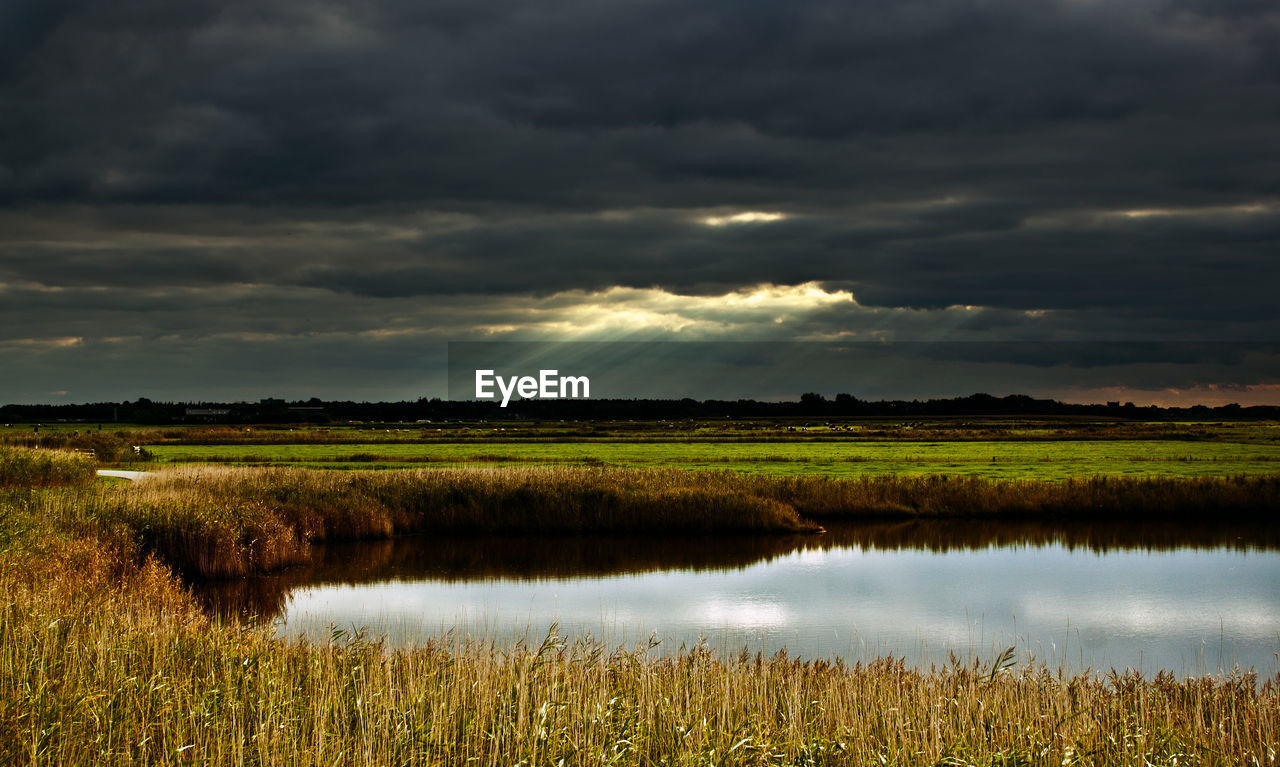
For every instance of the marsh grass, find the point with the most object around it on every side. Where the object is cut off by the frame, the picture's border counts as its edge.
(223, 522)
(31, 468)
(104, 660)
(106, 446)
(218, 522)
(1254, 498)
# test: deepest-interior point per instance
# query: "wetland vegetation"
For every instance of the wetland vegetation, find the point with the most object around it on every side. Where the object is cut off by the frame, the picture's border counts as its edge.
(108, 657)
(44, 468)
(222, 522)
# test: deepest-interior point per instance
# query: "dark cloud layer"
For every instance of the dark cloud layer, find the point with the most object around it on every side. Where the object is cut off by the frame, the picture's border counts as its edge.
(1066, 169)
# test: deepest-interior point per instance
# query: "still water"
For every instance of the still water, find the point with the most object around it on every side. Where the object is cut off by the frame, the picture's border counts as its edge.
(1192, 601)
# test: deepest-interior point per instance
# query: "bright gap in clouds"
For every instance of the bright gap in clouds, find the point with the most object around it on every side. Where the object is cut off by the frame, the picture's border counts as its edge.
(618, 310)
(746, 217)
(1206, 211)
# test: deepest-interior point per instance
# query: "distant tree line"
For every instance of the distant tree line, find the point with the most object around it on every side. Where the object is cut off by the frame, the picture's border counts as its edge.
(809, 405)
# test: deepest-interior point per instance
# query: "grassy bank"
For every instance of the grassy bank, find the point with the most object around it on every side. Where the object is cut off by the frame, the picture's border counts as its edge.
(20, 467)
(1255, 498)
(105, 660)
(209, 521)
(226, 522)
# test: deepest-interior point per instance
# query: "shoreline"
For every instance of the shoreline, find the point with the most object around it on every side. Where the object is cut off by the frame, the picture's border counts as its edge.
(275, 514)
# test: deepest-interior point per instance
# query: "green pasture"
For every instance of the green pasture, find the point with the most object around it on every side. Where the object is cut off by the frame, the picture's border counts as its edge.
(995, 459)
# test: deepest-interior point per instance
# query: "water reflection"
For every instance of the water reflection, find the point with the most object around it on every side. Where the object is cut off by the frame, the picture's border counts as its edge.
(1192, 598)
(472, 558)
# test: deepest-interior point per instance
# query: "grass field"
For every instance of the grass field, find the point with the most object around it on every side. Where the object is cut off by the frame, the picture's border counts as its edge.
(1043, 449)
(996, 459)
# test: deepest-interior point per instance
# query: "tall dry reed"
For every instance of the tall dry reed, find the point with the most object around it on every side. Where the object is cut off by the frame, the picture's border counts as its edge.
(225, 522)
(217, 521)
(104, 661)
(1253, 497)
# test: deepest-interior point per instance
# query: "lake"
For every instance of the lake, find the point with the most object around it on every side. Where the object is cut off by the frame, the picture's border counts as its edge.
(1189, 599)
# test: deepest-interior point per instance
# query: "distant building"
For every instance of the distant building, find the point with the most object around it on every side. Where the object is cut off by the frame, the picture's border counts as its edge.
(208, 411)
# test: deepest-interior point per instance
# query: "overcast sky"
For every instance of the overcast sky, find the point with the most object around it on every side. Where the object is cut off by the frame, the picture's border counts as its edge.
(231, 200)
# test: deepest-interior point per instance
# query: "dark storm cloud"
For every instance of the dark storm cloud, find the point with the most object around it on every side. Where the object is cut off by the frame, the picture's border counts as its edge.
(587, 105)
(1076, 169)
(1207, 270)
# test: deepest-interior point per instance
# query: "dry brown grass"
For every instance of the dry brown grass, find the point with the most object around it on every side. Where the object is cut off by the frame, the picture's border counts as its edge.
(226, 522)
(1254, 498)
(218, 521)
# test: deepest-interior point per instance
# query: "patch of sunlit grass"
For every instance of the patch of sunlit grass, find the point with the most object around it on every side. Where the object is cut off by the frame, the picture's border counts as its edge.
(23, 467)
